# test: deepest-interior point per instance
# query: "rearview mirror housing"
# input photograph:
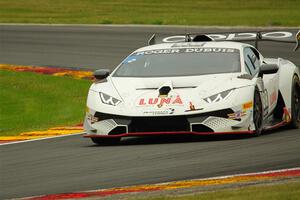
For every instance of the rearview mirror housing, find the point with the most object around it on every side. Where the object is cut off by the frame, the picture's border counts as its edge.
(268, 69)
(101, 74)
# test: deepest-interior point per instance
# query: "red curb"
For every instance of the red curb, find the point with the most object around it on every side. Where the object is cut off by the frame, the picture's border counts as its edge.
(278, 174)
(88, 194)
(156, 187)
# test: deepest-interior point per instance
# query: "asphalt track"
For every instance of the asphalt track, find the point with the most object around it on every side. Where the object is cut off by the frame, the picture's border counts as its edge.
(95, 47)
(74, 164)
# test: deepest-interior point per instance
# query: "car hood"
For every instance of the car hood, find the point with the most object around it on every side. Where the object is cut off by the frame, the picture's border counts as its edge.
(141, 95)
(204, 85)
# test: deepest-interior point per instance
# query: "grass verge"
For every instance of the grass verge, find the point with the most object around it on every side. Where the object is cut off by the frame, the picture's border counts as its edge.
(278, 191)
(189, 12)
(31, 101)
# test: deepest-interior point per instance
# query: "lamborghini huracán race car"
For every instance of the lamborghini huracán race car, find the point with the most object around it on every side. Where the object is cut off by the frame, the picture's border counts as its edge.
(197, 84)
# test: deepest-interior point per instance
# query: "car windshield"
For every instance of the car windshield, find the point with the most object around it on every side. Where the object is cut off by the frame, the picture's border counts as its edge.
(180, 62)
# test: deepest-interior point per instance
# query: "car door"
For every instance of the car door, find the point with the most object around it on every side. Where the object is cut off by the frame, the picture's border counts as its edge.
(270, 82)
(252, 64)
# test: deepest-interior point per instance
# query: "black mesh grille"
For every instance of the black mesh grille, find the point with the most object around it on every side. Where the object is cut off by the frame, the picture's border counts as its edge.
(159, 124)
(118, 130)
(201, 128)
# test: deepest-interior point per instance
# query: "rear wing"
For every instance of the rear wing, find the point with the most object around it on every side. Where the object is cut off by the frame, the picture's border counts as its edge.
(271, 36)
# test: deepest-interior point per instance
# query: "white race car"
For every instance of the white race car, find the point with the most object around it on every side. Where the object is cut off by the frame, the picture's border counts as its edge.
(199, 86)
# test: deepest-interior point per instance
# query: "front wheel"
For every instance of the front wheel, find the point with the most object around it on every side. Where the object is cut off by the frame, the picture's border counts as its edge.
(295, 100)
(257, 113)
(106, 141)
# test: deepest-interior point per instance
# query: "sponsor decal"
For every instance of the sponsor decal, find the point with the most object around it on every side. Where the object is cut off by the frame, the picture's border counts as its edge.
(160, 101)
(236, 115)
(181, 45)
(169, 111)
(92, 118)
(192, 108)
(247, 105)
(210, 50)
(182, 50)
(234, 36)
(158, 51)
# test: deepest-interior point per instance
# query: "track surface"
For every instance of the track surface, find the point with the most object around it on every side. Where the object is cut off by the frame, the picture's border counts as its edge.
(94, 47)
(73, 163)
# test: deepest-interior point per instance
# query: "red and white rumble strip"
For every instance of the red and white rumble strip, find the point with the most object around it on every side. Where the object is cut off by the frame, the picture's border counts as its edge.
(238, 178)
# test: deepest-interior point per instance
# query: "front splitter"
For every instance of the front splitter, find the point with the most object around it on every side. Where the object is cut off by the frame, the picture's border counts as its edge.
(137, 134)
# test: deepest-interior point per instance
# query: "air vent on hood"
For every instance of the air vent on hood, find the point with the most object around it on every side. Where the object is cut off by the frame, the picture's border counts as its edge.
(164, 90)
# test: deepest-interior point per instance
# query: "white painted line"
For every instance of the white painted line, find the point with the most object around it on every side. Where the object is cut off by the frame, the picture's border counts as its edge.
(39, 139)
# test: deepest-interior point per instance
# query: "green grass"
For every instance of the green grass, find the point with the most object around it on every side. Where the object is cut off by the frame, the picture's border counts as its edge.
(35, 102)
(178, 12)
(283, 191)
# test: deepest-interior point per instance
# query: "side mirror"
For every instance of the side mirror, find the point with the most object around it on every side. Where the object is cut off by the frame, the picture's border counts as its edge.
(267, 69)
(101, 73)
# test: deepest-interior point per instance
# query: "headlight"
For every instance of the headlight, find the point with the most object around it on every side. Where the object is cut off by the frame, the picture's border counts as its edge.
(218, 97)
(109, 100)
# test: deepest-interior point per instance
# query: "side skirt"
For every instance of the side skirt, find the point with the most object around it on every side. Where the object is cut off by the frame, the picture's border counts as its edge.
(272, 123)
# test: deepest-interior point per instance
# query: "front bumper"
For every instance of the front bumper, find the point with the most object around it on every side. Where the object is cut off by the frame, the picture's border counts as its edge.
(166, 133)
(216, 122)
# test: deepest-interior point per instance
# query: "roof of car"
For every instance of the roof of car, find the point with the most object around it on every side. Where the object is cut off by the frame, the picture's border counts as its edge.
(212, 44)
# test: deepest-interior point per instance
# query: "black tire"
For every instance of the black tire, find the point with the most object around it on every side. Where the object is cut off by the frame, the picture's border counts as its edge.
(295, 113)
(257, 113)
(106, 141)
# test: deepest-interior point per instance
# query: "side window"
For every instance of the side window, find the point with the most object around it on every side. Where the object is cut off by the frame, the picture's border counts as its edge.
(248, 66)
(252, 62)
